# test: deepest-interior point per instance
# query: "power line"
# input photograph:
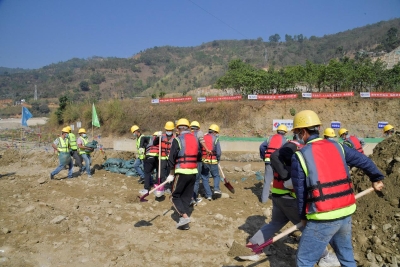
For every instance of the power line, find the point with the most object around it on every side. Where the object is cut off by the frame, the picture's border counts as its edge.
(218, 18)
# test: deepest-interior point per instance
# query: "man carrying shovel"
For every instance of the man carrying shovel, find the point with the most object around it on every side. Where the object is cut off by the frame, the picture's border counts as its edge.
(324, 191)
(284, 206)
(182, 161)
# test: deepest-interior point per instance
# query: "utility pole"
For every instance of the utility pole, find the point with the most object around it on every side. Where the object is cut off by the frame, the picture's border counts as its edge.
(35, 95)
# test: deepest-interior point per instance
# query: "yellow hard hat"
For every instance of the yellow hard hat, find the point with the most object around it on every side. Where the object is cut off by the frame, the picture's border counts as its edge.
(195, 124)
(214, 127)
(169, 125)
(65, 130)
(69, 128)
(155, 133)
(387, 127)
(342, 131)
(82, 130)
(134, 128)
(329, 132)
(182, 122)
(282, 127)
(305, 119)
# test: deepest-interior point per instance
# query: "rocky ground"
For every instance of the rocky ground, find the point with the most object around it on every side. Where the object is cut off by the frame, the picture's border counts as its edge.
(99, 221)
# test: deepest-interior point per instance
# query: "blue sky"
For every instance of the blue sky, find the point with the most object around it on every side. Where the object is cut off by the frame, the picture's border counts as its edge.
(37, 33)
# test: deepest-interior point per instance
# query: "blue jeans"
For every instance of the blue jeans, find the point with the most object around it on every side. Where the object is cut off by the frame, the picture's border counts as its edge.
(86, 158)
(198, 177)
(136, 166)
(205, 175)
(61, 166)
(317, 235)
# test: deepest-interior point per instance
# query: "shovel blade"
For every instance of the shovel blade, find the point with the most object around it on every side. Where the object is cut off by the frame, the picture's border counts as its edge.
(229, 186)
(143, 198)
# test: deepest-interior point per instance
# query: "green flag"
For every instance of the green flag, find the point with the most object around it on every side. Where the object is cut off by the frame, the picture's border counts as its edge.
(95, 119)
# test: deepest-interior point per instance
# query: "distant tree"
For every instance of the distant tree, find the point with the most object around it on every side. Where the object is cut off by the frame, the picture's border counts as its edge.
(274, 38)
(288, 38)
(392, 40)
(97, 78)
(84, 85)
(153, 96)
(161, 94)
(300, 38)
(44, 109)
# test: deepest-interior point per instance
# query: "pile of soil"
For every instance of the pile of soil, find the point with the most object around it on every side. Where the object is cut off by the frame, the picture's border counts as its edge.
(376, 223)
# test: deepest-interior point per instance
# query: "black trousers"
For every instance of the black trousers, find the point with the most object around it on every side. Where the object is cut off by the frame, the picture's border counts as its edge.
(164, 173)
(182, 192)
(149, 164)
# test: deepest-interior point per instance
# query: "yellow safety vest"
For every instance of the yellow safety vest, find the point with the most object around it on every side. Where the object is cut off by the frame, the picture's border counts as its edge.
(82, 150)
(72, 141)
(63, 145)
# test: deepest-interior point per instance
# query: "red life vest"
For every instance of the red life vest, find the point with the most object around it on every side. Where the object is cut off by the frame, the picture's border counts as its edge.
(274, 143)
(152, 150)
(166, 145)
(328, 180)
(355, 143)
(187, 155)
(210, 141)
(278, 183)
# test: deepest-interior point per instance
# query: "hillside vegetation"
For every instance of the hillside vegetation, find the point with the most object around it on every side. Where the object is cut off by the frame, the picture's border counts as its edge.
(161, 70)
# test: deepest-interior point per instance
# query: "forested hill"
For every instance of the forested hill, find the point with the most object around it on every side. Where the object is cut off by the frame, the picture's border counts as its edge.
(160, 70)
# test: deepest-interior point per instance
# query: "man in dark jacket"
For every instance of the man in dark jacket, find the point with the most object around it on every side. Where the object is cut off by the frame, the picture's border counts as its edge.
(324, 191)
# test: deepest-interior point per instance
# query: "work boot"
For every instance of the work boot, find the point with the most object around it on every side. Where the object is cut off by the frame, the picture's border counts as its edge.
(51, 176)
(182, 222)
(330, 260)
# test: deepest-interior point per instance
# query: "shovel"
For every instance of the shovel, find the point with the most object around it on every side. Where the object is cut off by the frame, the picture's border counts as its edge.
(226, 182)
(160, 190)
(259, 248)
(143, 198)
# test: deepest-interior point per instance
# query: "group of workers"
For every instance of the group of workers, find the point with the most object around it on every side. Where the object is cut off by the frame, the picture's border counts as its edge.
(311, 184)
(67, 146)
(184, 157)
(309, 176)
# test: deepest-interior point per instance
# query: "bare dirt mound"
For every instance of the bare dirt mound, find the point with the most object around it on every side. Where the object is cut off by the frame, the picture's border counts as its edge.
(376, 223)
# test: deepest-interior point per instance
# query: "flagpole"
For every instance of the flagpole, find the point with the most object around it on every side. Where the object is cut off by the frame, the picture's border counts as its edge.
(20, 144)
(92, 122)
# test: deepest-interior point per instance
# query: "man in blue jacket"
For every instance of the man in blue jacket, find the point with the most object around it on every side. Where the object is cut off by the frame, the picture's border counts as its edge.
(324, 191)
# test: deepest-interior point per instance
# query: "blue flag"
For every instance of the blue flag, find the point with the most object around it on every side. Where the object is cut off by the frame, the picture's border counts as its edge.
(26, 115)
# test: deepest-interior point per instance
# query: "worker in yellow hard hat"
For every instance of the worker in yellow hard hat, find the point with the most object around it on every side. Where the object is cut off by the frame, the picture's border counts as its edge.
(62, 146)
(74, 148)
(324, 191)
(138, 164)
(351, 140)
(388, 130)
(211, 161)
(182, 161)
(270, 145)
(150, 162)
(329, 133)
(198, 133)
(84, 151)
(166, 141)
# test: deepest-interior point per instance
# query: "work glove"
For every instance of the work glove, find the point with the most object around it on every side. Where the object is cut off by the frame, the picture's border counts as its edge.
(288, 184)
(141, 151)
(170, 178)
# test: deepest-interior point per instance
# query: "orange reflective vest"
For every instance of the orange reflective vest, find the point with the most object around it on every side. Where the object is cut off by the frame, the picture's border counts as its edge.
(274, 143)
(186, 161)
(210, 141)
(328, 180)
(166, 145)
(355, 143)
(278, 184)
(152, 150)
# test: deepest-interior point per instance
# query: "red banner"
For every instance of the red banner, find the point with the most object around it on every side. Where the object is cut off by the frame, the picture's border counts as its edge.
(328, 95)
(223, 98)
(385, 95)
(175, 99)
(276, 97)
